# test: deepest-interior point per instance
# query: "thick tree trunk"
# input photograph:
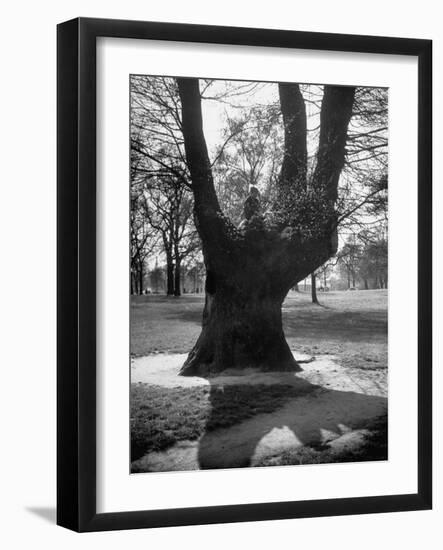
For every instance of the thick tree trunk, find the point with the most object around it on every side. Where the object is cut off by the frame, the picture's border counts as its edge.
(242, 327)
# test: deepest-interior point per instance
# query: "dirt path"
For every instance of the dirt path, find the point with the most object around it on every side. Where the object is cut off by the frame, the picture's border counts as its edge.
(330, 414)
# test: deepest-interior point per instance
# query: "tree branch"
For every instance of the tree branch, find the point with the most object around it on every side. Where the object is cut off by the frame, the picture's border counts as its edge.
(211, 223)
(336, 111)
(294, 166)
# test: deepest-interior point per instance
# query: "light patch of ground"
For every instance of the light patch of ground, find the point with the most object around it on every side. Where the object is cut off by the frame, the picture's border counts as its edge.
(322, 370)
(332, 414)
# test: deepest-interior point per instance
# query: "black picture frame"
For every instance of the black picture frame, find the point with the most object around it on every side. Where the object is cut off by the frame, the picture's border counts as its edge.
(76, 265)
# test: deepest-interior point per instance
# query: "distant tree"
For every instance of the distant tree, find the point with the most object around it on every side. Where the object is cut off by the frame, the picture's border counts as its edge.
(348, 259)
(373, 264)
(143, 242)
(159, 171)
(324, 271)
(249, 156)
(314, 288)
(321, 274)
(157, 276)
(196, 273)
(168, 209)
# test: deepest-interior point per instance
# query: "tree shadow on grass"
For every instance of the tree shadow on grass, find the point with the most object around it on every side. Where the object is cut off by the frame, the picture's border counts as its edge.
(312, 420)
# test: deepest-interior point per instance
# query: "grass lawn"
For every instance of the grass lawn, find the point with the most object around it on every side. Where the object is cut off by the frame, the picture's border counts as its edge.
(351, 325)
(162, 416)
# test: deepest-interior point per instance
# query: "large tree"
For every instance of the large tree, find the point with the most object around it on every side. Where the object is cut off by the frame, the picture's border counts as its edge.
(251, 269)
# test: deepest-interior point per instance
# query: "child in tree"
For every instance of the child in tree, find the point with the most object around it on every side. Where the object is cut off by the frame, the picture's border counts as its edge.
(252, 203)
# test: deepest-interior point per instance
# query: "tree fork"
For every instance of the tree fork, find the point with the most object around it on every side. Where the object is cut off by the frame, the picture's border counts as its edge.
(249, 277)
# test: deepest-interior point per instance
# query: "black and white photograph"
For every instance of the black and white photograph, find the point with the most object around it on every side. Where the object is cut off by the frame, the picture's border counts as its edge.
(222, 314)
(258, 273)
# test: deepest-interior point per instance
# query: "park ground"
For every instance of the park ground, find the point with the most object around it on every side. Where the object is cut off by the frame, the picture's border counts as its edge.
(333, 411)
